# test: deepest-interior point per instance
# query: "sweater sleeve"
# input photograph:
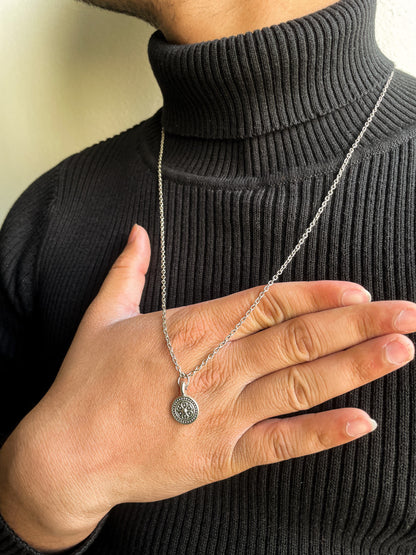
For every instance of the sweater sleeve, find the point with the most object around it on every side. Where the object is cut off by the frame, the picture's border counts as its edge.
(21, 239)
(11, 544)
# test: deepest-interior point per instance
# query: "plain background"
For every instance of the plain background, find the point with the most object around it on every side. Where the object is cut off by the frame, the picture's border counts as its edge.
(72, 75)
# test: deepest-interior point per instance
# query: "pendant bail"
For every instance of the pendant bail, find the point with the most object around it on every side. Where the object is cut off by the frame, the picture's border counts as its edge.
(183, 385)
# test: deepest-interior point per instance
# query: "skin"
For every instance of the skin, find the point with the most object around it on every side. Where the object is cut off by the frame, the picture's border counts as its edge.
(93, 439)
(190, 21)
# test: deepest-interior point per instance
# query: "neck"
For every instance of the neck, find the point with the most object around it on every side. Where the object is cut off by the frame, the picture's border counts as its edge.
(186, 22)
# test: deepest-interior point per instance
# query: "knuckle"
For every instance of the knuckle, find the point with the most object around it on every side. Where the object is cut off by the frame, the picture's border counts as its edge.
(284, 447)
(210, 380)
(121, 263)
(188, 335)
(279, 446)
(299, 393)
(317, 292)
(364, 371)
(363, 324)
(301, 343)
(324, 440)
(270, 311)
(187, 330)
(218, 376)
(217, 463)
(220, 419)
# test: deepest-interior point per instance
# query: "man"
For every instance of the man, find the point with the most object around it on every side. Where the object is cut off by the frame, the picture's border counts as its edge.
(261, 105)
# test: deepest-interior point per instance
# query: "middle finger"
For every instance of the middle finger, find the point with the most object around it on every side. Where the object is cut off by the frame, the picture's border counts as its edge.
(311, 336)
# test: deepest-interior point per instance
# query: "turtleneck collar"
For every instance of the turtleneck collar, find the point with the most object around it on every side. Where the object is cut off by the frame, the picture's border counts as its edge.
(270, 79)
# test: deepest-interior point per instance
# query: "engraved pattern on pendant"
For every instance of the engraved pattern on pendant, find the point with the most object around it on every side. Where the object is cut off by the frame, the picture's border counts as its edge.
(184, 409)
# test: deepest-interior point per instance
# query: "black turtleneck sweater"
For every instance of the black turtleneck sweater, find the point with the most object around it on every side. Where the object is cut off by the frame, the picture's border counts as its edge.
(257, 127)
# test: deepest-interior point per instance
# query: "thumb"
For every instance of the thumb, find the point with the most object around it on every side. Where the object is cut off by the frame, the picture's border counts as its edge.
(121, 291)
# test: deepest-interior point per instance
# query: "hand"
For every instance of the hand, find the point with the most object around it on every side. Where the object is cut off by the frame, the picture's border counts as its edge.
(104, 435)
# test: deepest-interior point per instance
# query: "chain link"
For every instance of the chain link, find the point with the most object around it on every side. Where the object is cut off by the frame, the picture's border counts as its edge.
(187, 376)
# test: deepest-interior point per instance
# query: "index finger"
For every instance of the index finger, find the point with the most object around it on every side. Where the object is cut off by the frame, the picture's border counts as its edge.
(284, 300)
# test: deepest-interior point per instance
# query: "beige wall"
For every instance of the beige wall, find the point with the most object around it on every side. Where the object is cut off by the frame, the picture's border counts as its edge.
(72, 75)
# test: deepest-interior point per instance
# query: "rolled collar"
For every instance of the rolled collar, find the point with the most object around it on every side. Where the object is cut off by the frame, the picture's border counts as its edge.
(272, 78)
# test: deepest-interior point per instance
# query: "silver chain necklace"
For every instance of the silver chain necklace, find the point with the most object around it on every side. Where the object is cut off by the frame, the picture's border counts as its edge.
(184, 408)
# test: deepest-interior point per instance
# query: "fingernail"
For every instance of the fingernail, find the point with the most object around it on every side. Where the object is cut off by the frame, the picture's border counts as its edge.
(355, 296)
(406, 321)
(399, 351)
(133, 233)
(360, 427)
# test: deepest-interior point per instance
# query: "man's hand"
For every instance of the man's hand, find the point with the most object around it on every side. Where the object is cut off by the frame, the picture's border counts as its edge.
(104, 434)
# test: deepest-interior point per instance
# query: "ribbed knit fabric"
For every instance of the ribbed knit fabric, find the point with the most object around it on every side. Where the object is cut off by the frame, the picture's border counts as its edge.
(257, 127)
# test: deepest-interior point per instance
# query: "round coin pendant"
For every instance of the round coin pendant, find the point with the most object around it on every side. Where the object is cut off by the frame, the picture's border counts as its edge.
(184, 409)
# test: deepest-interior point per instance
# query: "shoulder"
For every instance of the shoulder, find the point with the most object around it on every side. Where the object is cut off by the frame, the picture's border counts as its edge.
(80, 181)
(113, 154)
(109, 155)
(107, 161)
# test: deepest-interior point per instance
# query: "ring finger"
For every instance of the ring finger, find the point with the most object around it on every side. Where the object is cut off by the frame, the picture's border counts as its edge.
(306, 385)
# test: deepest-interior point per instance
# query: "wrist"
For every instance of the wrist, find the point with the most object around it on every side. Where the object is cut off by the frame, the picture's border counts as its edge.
(40, 496)
(27, 540)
